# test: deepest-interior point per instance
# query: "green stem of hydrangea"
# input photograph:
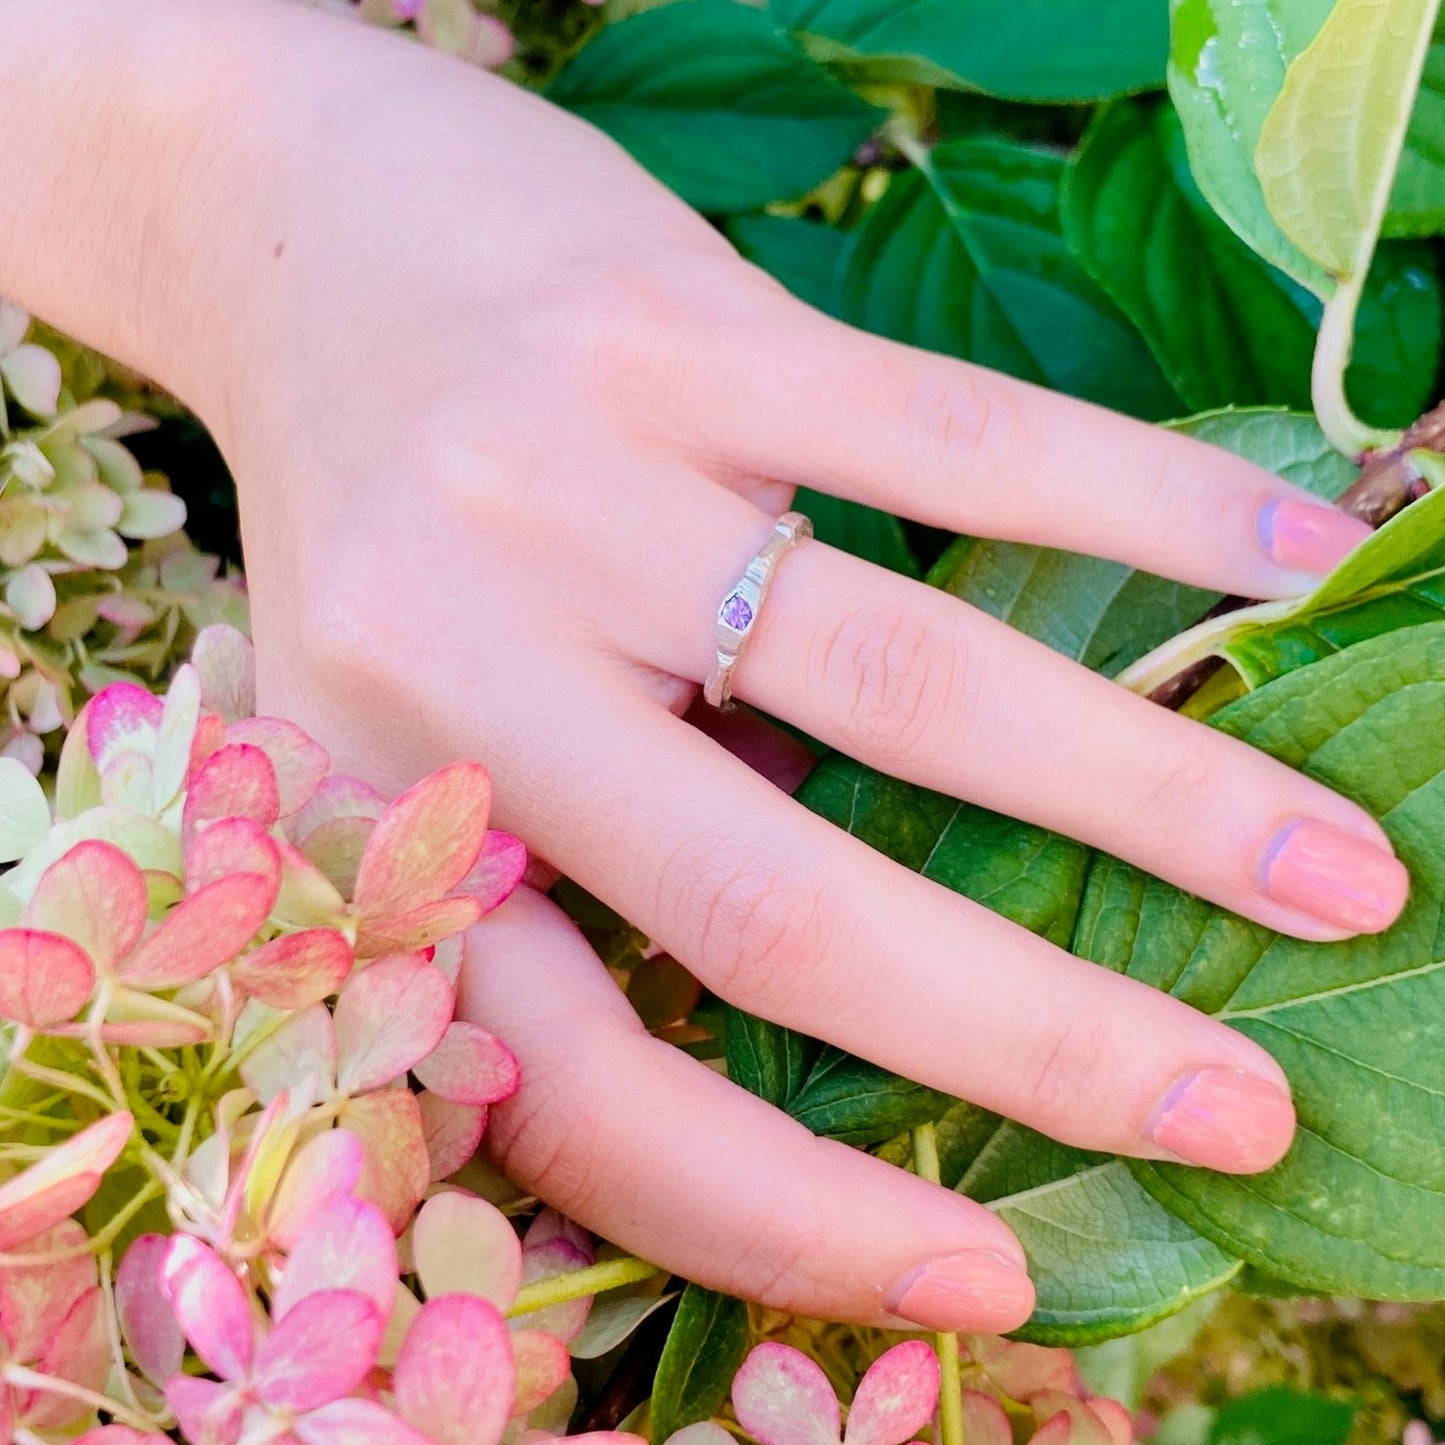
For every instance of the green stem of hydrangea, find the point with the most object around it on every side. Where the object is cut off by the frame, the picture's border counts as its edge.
(950, 1394)
(28, 1379)
(1346, 432)
(578, 1283)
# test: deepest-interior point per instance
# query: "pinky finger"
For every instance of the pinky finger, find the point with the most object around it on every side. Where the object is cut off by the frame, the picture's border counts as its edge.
(663, 1156)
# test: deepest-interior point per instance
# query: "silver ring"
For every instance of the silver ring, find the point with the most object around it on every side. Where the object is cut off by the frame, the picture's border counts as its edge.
(738, 613)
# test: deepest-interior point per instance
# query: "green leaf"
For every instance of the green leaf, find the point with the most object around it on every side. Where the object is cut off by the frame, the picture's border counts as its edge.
(765, 1059)
(848, 1099)
(864, 531)
(806, 256)
(1105, 614)
(704, 1348)
(1048, 50)
(1227, 63)
(1281, 1415)
(1105, 1259)
(966, 256)
(1330, 144)
(1226, 327)
(1394, 579)
(1358, 1204)
(716, 101)
(1417, 204)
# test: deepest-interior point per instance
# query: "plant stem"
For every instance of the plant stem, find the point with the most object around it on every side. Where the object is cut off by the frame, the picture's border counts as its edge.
(34, 1380)
(1346, 432)
(576, 1283)
(950, 1395)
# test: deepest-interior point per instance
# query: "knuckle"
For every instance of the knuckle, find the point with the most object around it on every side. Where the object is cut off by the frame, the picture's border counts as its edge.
(961, 419)
(545, 1138)
(757, 922)
(898, 674)
(1060, 1066)
(779, 1258)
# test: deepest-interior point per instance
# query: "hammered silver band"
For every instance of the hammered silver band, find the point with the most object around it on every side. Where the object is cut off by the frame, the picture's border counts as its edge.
(738, 613)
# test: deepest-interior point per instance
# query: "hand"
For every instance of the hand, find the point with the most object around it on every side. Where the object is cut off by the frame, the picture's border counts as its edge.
(508, 422)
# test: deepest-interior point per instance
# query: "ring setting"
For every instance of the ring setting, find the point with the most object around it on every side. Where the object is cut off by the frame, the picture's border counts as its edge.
(738, 613)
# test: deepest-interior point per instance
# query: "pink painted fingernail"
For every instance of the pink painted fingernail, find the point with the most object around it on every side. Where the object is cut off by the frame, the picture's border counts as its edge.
(973, 1290)
(1224, 1119)
(1335, 877)
(1308, 537)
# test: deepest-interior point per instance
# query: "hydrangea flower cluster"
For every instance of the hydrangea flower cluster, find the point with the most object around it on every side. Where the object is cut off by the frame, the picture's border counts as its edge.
(234, 1088)
(97, 584)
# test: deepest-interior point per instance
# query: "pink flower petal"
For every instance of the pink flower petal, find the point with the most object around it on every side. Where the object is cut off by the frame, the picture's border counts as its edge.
(120, 1435)
(339, 796)
(1115, 1419)
(388, 1017)
(453, 1133)
(396, 1172)
(1056, 1430)
(347, 1245)
(44, 979)
(549, 1224)
(469, 1066)
(153, 1033)
(237, 781)
(201, 933)
(300, 762)
(307, 898)
(1022, 1371)
(39, 1197)
(296, 969)
(211, 1307)
(498, 870)
(985, 1422)
(226, 664)
(231, 845)
(705, 1432)
(1064, 1418)
(896, 1398)
(323, 1168)
(303, 1048)
(426, 842)
(422, 928)
(79, 1352)
(319, 1351)
(337, 847)
(180, 716)
(542, 1364)
(781, 1397)
(122, 718)
(96, 895)
(545, 1261)
(152, 1333)
(35, 1298)
(209, 1414)
(463, 1245)
(355, 1422)
(453, 1378)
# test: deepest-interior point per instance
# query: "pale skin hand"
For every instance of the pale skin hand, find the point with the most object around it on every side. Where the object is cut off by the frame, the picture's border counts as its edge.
(508, 421)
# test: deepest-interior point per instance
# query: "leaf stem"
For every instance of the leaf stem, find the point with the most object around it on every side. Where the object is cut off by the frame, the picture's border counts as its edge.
(577, 1283)
(950, 1395)
(1346, 432)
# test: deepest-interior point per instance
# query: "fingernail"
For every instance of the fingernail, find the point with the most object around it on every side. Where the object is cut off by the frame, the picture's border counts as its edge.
(973, 1290)
(1307, 537)
(1335, 877)
(1224, 1119)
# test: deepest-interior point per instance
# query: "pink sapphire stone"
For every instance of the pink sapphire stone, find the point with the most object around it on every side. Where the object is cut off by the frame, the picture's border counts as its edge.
(737, 612)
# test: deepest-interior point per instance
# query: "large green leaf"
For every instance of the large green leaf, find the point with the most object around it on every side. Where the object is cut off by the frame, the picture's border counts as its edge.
(715, 100)
(1226, 327)
(1105, 614)
(1330, 144)
(1049, 50)
(1417, 204)
(704, 1348)
(1394, 579)
(864, 531)
(1106, 1259)
(1227, 62)
(1358, 1204)
(1280, 1415)
(966, 256)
